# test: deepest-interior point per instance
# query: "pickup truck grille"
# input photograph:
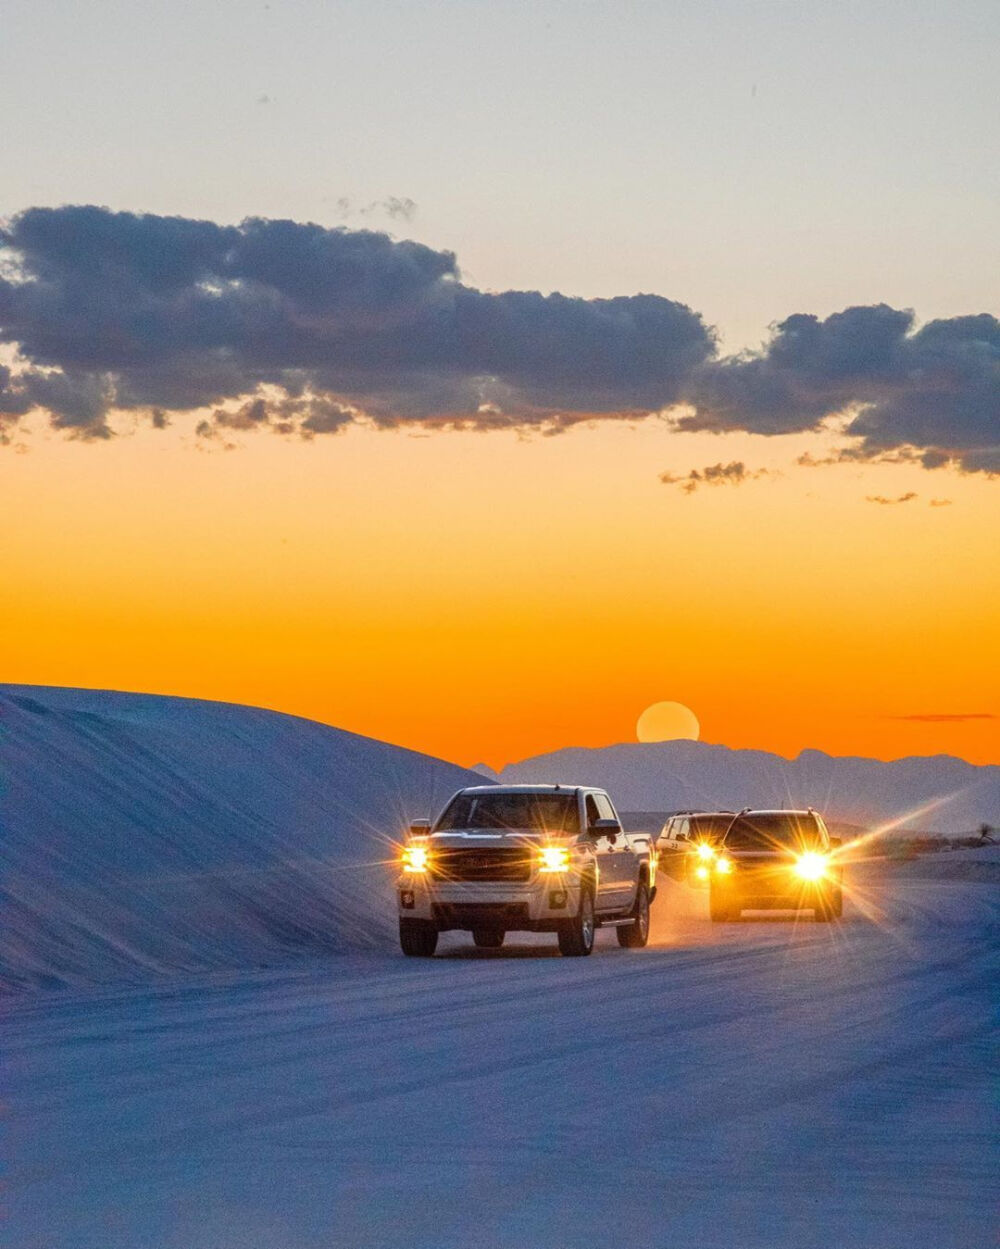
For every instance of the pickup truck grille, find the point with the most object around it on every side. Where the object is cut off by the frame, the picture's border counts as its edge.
(487, 863)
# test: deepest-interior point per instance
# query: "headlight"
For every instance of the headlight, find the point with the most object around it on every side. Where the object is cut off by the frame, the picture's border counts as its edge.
(705, 851)
(416, 859)
(811, 866)
(554, 859)
(723, 865)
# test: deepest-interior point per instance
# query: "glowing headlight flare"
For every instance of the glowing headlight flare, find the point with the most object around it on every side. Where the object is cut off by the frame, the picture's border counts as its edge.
(554, 859)
(416, 859)
(723, 865)
(705, 851)
(811, 866)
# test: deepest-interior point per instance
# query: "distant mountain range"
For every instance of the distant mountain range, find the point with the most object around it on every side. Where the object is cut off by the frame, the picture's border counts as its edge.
(937, 793)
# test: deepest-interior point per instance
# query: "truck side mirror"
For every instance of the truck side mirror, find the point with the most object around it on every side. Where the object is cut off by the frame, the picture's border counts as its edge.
(420, 828)
(605, 828)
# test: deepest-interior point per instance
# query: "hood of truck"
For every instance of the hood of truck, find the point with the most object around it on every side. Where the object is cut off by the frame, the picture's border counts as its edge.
(476, 838)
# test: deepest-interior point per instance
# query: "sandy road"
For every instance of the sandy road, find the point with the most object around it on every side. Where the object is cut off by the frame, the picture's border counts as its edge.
(757, 1084)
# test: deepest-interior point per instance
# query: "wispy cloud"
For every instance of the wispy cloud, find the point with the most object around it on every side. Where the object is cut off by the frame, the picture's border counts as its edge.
(735, 473)
(396, 207)
(881, 498)
(946, 717)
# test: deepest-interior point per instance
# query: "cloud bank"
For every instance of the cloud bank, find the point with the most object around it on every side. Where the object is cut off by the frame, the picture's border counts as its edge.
(303, 329)
(932, 392)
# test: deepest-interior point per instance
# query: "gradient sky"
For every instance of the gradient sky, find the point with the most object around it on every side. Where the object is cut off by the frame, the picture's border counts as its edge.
(491, 595)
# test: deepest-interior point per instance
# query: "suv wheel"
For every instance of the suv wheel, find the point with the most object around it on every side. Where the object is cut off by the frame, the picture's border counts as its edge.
(721, 909)
(635, 935)
(576, 935)
(488, 940)
(417, 938)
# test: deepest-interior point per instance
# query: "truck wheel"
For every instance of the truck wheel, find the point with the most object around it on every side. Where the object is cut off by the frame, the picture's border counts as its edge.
(576, 935)
(721, 910)
(635, 935)
(488, 940)
(417, 938)
(830, 905)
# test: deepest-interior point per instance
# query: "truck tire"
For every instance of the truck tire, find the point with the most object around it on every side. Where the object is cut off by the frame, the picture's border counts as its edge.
(417, 938)
(488, 940)
(829, 905)
(576, 935)
(722, 910)
(635, 935)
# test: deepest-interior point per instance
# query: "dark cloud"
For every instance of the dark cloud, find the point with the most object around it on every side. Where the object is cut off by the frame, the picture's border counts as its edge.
(932, 394)
(169, 313)
(940, 502)
(733, 474)
(880, 498)
(15, 401)
(119, 311)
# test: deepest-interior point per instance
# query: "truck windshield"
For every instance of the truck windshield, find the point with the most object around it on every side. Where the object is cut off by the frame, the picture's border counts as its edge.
(774, 830)
(551, 812)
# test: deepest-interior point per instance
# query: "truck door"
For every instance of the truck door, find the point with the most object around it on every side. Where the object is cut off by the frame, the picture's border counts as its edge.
(616, 858)
(605, 858)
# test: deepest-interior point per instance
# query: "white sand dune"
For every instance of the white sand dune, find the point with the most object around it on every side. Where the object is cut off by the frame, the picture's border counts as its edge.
(146, 836)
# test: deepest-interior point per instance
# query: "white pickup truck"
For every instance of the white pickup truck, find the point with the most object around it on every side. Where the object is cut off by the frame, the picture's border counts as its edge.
(528, 858)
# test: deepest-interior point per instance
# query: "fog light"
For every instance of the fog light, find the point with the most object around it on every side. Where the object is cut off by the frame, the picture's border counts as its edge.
(723, 865)
(701, 873)
(406, 899)
(557, 898)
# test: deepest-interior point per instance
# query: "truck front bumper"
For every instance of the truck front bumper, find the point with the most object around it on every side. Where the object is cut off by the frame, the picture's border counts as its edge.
(536, 906)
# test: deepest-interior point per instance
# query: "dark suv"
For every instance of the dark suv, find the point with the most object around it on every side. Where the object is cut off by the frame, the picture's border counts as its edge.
(783, 860)
(688, 841)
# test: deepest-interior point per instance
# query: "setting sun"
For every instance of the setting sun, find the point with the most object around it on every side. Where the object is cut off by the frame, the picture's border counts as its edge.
(667, 722)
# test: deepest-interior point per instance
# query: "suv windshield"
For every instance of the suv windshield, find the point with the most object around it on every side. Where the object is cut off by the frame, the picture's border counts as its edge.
(708, 827)
(774, 830)
(552, 812)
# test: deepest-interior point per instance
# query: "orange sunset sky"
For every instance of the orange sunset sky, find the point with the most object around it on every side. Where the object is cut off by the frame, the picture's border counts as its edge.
(489, 596)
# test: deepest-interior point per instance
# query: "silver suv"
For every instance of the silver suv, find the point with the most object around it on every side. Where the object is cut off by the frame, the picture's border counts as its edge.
(783, 860)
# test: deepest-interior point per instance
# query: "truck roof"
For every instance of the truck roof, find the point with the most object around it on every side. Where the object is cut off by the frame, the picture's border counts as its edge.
(530, 789)
(777, 811)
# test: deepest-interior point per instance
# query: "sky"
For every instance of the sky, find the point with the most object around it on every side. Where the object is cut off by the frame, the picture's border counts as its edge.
(736, 444)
